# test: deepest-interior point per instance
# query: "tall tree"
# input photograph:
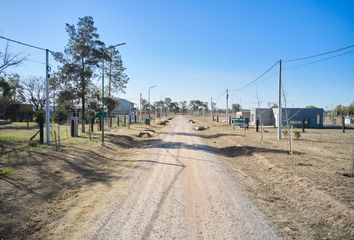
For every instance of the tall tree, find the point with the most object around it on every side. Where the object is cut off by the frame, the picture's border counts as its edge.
(235, 107)
(11, 89)
(117, 77)
(34, 92)
(183, 106)
(80, 58)
(8, 59)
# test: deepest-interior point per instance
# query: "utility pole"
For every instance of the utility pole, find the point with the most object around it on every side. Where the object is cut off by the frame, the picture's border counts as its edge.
(211, 109)
(47, 113)
(227, 106)
(149, 102)
(140, 108)
(102, 99)
(279, 103)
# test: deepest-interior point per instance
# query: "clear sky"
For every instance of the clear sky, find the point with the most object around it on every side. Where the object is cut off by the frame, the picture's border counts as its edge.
(197, 49)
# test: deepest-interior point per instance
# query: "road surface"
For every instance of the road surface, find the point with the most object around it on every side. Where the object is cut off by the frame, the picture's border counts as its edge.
(180, 190)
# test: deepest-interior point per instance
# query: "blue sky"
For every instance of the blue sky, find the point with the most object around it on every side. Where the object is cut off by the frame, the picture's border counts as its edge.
(197, 49)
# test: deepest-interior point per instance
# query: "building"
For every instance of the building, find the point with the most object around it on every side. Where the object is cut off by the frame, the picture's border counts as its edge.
(16, 112)
(124, 107)
(244, 114)
(264, 115)
(312, 117)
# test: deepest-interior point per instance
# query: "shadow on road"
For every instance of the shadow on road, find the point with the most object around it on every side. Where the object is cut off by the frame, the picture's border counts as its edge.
(230, 151)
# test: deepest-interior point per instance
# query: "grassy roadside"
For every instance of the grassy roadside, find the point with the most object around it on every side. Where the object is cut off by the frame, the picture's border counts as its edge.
(39, 185)
(307, 194)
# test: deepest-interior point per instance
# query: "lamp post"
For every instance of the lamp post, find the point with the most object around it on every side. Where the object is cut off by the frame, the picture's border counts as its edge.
(150, 103)
(102, 99)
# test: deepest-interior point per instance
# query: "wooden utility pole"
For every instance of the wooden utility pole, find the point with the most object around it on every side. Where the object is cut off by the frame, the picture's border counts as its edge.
(227, 106)
(140, 109)
(279, 103)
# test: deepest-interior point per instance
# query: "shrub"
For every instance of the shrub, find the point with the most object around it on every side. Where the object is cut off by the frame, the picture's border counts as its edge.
(4, 171)
(297, 134)
(285, 132)
(60, 116)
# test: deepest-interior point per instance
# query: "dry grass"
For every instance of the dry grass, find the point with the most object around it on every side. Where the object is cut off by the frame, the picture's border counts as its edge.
(44, 184)
(308, 194)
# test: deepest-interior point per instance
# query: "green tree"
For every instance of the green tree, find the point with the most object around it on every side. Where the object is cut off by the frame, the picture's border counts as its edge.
(80, 58)
(341, 110)
(235, 107)
(111, 103)
(311, 107)
(174, 107)
(11, 89)
(117, 77)
(183, 106)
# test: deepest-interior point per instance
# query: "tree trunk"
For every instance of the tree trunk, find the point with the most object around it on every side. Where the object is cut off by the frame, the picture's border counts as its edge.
(83, 113)
(83, 88)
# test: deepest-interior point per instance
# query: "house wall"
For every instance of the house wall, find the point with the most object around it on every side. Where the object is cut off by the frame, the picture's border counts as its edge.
(313, 117)
(124, 107)
(265, 116)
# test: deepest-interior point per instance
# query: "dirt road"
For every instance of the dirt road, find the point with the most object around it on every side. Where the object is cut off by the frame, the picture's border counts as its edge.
(178, 190)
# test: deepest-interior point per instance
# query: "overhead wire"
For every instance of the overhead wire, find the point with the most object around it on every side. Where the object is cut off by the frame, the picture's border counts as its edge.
(318, 55)
(319, 60)
(255, 80)
(220, 95)
(25, 44)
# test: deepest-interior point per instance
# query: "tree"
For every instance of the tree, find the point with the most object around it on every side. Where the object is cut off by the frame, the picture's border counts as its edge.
(183, 106)
(11, 88)
(235, 107)
(168, 102)
(34, 92)
(174, 107)
(111, 103)
(8, 59)
(311, 107)
(341, 110)
(80, 58)
(115, 71)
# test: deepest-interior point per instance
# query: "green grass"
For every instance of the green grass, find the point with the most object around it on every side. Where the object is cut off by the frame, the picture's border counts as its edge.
(12, 138)
(5, 171)
(23, 123)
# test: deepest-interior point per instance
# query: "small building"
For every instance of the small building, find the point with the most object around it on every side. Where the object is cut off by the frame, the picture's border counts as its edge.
(124, 107)
(244, 114)
(312, 117)
(16, 112)
(348, 120)
(264, 115)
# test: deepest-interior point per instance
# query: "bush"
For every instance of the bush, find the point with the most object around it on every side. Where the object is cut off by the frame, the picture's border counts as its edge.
(285, 132)
(39, 116)
(60, 116)
(4, 171)
(297, 134)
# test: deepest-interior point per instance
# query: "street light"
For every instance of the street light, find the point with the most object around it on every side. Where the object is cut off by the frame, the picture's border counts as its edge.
(102, 116)
(149, 102)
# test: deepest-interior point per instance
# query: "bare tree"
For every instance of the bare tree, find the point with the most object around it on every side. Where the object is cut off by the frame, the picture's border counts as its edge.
(34, 92)
(8, 59)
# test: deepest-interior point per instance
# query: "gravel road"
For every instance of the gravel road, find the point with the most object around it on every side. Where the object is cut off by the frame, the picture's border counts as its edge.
(180, 190)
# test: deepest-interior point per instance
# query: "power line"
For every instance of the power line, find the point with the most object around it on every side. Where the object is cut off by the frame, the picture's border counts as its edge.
(220, 95)
(320, 60)
(320, 54)
(22, 43)
(260, 76)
